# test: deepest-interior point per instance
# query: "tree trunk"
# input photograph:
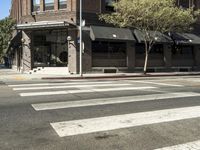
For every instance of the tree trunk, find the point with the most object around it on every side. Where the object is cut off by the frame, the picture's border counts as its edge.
(146, 62)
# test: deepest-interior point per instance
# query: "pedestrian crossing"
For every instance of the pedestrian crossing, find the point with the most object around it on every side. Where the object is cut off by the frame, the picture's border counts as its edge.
(115, 100)
(85, 126)
(77, 127)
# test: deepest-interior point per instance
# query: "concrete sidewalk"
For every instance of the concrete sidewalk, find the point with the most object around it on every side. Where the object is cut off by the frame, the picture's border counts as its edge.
(10, 74)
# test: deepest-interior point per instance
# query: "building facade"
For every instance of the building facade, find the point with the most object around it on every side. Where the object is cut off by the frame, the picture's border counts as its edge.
(47, 35)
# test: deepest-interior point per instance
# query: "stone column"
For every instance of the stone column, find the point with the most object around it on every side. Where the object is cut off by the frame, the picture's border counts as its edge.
(42, 5)
(167, 56)
(72, 52)
(26, 55)
(87, 55)
(29, 7)
(69, 5)
(56, 7)
(131, 55)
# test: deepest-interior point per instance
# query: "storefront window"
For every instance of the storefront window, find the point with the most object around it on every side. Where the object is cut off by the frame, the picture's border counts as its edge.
(109, 54)
(109, 47)
(183, 50)
(156, 49)
(50, 49)
(36, 5)
(49, 4)
(183, 3)
(109, 5)
(62, 4)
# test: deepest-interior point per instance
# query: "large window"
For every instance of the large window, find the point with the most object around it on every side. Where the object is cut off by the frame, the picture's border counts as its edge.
(62, 4)
(156, 49)
(50, 48)
(49, 4)
(109, 5)
(36, 5)
(186, 3)
(109, 47)
(183, 50)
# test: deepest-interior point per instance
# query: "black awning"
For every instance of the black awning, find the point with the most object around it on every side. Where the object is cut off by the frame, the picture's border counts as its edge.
(42, 25)
(158, 37)
(185, 38)
(100, 33)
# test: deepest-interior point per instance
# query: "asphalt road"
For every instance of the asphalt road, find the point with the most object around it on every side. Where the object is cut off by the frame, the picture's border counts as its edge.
(122, 114)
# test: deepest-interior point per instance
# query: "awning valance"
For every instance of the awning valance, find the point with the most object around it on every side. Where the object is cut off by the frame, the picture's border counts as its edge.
(101, 33)
(42, 24)
(158, 37)
(186, 38)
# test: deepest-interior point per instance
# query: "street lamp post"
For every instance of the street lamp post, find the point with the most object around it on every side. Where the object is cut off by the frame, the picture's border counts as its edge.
(81, 46)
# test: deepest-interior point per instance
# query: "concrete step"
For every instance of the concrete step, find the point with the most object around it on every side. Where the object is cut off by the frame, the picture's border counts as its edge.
(50, 70)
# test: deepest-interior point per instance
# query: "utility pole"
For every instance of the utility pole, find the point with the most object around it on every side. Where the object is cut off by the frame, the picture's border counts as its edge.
(81, 46)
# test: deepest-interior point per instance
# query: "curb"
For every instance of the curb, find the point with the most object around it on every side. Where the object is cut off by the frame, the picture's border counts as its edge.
(117, 76)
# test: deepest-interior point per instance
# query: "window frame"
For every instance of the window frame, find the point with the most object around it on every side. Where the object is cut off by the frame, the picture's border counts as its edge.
(45, 5)
(33, 6)
(62, 4)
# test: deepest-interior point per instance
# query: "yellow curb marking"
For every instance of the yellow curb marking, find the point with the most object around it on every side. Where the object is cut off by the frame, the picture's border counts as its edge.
(19, 78)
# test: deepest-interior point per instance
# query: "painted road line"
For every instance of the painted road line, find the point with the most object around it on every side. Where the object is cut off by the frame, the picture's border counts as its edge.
(157, 83)
(83, 91)
(187, 146)
(85, 126)
(66, 83)
(69, 86)
(115, 100)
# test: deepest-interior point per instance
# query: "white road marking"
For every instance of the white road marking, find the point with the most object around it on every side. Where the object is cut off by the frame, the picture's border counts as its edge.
(156, 83)
(187, 146)
(65, 83)
(68, 86)
(106, 101)
(83, 91)
(85, 126)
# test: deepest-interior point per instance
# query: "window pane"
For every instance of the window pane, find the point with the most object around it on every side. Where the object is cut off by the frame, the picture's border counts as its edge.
(184, 3)
(36, 5)
(49, 4)
(62, 4)
(109, 5)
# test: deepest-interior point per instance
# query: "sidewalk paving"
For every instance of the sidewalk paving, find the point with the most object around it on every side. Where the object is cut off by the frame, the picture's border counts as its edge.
(10, 75)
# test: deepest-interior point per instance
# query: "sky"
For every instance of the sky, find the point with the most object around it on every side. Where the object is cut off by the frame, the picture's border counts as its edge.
(4, 8)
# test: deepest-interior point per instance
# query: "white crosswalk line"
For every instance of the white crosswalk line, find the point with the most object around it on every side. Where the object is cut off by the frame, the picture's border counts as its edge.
(65, 83)
(84, 91)
(68, 86)
(85, 126)
(115, 100)
(157, 83)
(187, 146)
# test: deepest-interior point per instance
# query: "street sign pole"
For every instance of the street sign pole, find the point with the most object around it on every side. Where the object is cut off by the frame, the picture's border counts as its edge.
(81, 46)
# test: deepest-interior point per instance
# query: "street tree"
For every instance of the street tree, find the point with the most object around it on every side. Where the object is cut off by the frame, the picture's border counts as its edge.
(150, 17)
(6, 25)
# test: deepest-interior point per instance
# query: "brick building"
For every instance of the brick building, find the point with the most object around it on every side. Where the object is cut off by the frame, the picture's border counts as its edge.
(43, 27)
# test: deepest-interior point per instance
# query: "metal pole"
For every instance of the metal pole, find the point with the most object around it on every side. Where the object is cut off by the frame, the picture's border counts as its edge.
(80, 30)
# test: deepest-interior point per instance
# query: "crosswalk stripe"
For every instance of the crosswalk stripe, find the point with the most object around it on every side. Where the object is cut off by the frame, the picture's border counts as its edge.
(158, 83)
(84, 91)
(65, 83)
(69, 86)
(115, 100)
(187, 146)
(85, 126)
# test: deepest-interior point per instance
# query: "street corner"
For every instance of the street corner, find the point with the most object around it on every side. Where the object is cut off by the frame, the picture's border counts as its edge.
(19, 78)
